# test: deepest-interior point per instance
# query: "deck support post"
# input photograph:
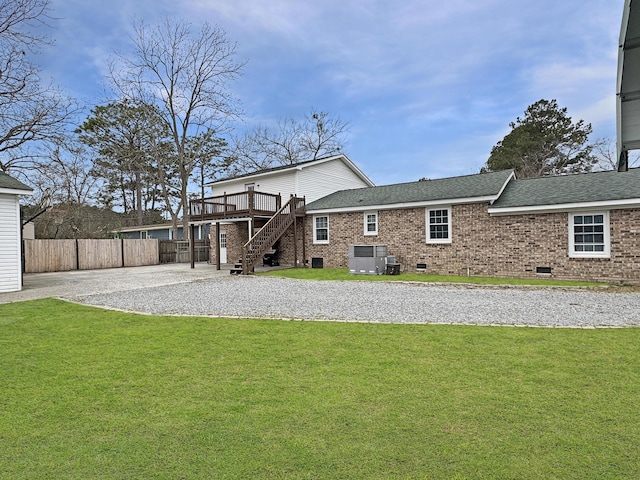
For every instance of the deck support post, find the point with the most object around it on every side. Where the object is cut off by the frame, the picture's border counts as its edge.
(192, 245)
(304, 241)
(295, 239)
(217, 245)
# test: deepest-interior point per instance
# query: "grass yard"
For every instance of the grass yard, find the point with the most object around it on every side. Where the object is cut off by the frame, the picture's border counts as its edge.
(87, 393)
(343, 274)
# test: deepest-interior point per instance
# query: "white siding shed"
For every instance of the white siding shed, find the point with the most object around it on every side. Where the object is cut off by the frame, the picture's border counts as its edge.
(10, 238)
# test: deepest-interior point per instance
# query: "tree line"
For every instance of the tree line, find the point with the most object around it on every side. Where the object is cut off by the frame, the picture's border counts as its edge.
(169, 127)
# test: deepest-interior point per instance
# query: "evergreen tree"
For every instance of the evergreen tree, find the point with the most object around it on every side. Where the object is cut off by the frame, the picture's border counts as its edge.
(544, 142)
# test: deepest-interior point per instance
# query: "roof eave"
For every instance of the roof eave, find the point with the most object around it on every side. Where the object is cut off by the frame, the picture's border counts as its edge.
(523, 210)
(404, 205)
(15, 191)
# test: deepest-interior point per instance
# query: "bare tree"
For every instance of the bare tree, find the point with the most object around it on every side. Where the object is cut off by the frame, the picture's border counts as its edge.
(605, 152)
(65, 190)
(186, 75)
(30, 112)
(208, 154)
(324, 135)
(293, 141)
(67, 175)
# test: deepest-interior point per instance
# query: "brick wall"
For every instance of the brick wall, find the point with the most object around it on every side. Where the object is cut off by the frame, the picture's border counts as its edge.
(286, 245)
(238, 235)
(502, 246)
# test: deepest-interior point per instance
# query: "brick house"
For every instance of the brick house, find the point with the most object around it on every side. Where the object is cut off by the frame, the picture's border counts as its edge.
(579, 227)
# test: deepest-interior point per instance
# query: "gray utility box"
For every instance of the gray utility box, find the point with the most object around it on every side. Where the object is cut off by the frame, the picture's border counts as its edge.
(367, 259)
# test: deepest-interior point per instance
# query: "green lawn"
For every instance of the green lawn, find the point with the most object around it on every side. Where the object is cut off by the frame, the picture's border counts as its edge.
(343, 274)
(87, 393)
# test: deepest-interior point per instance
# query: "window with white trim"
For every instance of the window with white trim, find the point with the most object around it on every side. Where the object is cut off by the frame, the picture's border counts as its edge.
(370, 223)
(589, 235)
(321, 229)
(439, 225)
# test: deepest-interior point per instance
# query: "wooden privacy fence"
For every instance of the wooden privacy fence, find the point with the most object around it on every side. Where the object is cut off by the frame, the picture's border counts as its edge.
(178, 251)
(84, 254)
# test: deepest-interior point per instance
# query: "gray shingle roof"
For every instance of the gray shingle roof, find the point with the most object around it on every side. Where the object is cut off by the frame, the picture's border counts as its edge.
(579, 188)
(467, 187)
(261, 172)
(11, 183)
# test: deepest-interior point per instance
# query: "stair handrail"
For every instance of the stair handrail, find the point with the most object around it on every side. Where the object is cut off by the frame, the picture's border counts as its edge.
(292, 203)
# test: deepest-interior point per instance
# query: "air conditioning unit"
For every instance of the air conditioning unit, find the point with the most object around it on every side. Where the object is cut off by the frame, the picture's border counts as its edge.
(367, 259)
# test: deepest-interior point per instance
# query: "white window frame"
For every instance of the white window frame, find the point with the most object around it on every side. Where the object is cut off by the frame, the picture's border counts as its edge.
(428, 225)
(367, 222)
(606, 253)
(315, 230)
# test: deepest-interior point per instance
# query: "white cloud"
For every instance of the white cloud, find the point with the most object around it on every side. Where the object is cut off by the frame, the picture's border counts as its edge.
(564, 78)
(423, 77)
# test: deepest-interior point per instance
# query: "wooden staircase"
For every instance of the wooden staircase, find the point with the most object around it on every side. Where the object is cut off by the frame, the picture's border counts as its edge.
(263, 240)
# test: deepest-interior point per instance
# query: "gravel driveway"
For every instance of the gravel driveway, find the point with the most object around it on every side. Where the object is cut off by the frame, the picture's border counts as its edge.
(178, 290)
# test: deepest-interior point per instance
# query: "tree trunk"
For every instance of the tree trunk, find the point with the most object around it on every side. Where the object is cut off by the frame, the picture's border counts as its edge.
(139, 197)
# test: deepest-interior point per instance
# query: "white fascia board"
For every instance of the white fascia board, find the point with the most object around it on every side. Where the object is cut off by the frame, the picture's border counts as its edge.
(506, 182)
(398, 206)
(610, 204)
(13, 191)
(249, 178)
(346, 160)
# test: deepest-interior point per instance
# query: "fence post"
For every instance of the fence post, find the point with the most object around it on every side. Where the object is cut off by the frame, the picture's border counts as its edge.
(77, 256)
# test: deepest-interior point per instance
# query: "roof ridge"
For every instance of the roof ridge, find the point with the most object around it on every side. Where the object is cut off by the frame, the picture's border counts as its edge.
(437, 179)
(573, 174)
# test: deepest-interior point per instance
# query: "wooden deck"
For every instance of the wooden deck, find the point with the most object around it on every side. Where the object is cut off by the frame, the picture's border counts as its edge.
(248, 204)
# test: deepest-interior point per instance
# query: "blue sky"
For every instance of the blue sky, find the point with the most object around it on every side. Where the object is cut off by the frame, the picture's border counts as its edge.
(427, 86)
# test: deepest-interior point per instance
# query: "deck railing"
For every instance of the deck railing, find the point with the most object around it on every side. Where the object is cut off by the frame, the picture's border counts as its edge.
(234, 205)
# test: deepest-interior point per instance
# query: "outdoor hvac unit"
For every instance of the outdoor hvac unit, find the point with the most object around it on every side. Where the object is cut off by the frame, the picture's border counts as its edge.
(367, 259)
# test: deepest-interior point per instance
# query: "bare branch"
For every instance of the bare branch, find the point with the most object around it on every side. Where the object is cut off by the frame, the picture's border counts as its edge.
(186, 75)
(291, 142)
(31, 114)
